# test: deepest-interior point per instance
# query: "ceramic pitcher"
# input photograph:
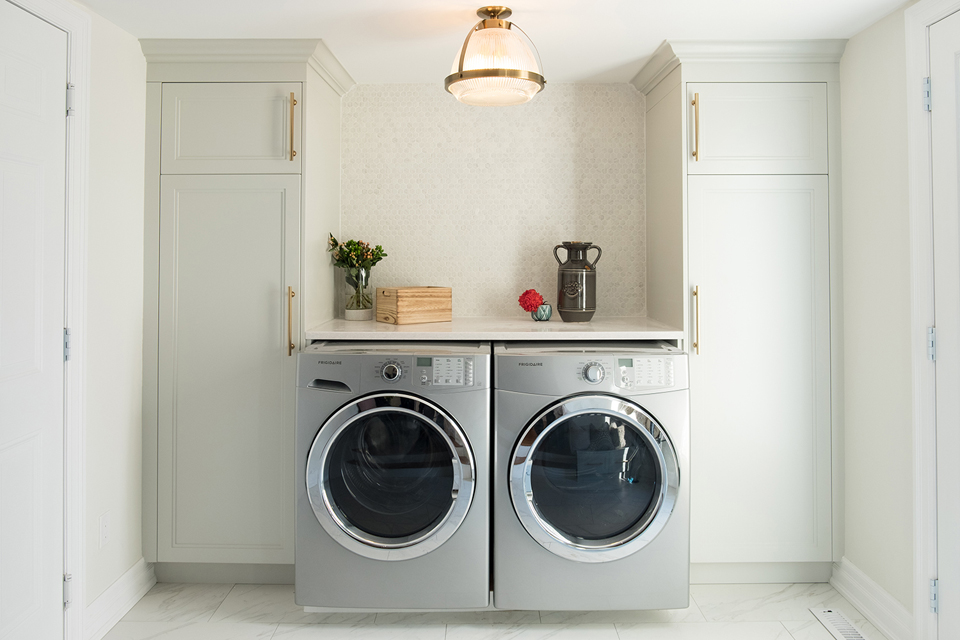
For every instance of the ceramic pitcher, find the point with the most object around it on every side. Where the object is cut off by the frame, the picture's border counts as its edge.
(577, 282)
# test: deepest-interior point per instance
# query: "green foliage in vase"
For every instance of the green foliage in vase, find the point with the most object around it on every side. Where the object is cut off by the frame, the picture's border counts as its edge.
(356, 258)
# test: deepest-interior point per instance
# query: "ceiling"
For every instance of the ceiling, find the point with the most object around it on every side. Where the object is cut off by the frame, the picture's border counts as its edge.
(381, 42)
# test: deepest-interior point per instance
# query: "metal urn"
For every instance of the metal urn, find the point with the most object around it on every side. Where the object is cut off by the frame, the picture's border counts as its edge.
(577, 282)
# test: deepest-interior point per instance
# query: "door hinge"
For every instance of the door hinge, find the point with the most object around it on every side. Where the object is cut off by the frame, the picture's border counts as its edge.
(66, 344)
(71, 100)
(67, 584)
(934, 596)
(932, 343)
(927, 105)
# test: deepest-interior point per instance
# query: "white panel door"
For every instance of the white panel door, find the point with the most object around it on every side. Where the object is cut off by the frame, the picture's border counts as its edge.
(757, 128)
(229, 248)
(230, 127)
(760, 384)
(945, 81)
(33, 62)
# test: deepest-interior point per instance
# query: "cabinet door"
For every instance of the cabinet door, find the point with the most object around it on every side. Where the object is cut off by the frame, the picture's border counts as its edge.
(229, 127)
(757, 128)
(229, 248)
(760, 384)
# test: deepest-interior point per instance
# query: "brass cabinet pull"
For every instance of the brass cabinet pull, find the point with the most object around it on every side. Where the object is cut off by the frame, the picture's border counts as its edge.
(696, 334)
(290, 345)
(293, 103)
(696, 128)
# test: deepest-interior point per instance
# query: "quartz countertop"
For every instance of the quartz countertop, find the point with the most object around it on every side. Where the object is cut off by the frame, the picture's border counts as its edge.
(489, 329)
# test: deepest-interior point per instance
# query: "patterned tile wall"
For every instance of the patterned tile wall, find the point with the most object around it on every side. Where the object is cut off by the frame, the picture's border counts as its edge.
(476, 198)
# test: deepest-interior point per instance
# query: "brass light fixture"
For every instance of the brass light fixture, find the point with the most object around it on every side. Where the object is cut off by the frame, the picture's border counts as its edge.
(494, 67)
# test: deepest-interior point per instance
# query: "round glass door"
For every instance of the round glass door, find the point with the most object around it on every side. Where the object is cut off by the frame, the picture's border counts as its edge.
(390, 476)
(594, 478)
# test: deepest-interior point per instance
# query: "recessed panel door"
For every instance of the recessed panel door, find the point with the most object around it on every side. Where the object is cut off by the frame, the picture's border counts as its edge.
(33, 62)
(230, 127)
(229, 250)
(760, 369)
(757, 127)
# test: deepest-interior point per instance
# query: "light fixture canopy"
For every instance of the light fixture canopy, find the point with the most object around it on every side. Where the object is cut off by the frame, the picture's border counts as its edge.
(494, 67)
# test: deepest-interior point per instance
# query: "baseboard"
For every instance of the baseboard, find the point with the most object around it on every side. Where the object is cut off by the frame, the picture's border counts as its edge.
(758, 572)
(883, 610)
(106, 611)
(206, 572)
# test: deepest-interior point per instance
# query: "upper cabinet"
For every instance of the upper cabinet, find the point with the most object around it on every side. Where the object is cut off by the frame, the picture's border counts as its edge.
(757, 128)
(230, 127)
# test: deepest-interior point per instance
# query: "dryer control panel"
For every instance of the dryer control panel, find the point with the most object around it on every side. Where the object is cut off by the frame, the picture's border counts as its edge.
(363, 367)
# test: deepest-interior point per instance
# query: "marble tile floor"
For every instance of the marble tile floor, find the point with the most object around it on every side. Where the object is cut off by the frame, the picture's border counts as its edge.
(268, 612)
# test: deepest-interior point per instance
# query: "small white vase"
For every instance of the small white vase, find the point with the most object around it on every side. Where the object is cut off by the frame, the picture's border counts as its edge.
(358, 314)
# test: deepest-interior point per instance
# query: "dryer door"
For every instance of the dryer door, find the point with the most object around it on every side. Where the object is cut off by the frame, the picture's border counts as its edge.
(390, 476)
(594, 478)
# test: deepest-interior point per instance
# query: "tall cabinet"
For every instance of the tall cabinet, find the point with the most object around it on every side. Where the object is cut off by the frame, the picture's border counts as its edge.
(230, 214)
(743, 214)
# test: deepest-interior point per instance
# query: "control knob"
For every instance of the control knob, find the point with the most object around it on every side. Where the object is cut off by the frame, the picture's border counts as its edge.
(391, 371)
(593, 372)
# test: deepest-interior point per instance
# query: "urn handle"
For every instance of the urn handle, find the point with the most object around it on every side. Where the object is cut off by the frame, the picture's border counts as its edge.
(599, 253)
(559, 246)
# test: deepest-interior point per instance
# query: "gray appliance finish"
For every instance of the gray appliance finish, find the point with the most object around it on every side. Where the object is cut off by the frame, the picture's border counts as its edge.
(393, 476)
(591, 468)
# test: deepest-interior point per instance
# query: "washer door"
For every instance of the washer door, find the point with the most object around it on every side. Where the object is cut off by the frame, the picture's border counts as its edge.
(390, 476)
(594, 478)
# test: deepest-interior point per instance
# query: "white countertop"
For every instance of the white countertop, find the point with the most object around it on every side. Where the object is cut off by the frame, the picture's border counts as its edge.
(524, 328)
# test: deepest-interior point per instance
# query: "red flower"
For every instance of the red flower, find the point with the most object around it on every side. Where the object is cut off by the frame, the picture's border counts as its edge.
(530, 300)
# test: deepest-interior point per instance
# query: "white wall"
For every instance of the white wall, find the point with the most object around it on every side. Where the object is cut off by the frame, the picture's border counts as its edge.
(114, 303)
(876, 286)
(476, 198)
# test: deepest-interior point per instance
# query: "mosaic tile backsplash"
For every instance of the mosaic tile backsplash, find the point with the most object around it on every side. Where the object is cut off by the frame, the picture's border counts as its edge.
(476, 198)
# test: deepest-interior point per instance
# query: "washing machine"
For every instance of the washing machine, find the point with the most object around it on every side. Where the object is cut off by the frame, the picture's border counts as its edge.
(393, 476)
(591, 468)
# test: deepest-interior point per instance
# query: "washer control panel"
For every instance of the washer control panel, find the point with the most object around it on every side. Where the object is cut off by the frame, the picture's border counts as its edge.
(452, 371)
(428, 371)
(644, 372)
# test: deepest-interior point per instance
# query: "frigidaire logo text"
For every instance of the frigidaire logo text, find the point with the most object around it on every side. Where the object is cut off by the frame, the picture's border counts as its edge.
(530, 364)
(331, 362)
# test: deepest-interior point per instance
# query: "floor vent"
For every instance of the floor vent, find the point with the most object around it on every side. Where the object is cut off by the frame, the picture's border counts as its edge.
(837, 624)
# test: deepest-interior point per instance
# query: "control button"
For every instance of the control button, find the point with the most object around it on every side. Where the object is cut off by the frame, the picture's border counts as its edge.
(391, 371)
(424, 379)
(625, 380)
(593, 373)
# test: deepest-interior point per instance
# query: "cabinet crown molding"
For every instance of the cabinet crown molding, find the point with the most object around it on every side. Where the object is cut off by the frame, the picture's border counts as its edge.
(671, 53)
(245, 51)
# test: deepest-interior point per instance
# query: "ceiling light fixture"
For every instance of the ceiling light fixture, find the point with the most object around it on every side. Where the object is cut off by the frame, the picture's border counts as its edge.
(495, 67)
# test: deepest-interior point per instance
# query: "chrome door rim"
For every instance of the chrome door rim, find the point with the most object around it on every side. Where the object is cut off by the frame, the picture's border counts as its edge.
(338, 526)
(638, 535)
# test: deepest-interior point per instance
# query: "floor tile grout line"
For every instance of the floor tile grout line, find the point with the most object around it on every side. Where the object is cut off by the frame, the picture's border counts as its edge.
(274, 634)
(789, 633)
(226, 595)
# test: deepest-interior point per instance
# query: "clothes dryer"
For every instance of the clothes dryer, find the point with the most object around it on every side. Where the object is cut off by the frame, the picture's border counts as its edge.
(591, 468)
(393, 476)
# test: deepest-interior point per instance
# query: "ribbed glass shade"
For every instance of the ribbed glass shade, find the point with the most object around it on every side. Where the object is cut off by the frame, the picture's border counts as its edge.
(495, 49)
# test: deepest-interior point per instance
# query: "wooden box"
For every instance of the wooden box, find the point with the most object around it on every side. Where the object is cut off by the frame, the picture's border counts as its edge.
(410, 305)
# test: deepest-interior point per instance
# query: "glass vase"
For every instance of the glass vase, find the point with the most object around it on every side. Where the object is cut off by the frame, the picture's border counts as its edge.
(542, 313)
(358, 294)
